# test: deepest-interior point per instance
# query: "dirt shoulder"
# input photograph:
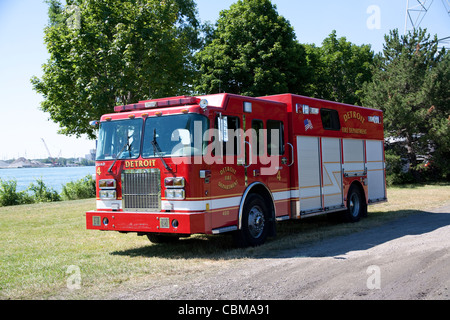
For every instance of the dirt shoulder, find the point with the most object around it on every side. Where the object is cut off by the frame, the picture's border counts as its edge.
(404, 259)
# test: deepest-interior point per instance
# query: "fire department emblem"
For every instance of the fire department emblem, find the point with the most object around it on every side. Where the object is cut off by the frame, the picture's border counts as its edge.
(229, 178)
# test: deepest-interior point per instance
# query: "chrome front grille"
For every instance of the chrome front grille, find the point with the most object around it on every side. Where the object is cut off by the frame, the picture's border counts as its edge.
(141, 190)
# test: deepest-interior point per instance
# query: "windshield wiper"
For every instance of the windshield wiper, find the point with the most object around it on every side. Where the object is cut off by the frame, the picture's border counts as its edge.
(157, 150)
(120, 153)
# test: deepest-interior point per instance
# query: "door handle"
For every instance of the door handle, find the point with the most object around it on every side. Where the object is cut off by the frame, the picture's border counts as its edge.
(250, 158)
(292, 154)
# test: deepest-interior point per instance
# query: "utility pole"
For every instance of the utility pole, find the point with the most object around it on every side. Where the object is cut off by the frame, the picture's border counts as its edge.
(416, 10)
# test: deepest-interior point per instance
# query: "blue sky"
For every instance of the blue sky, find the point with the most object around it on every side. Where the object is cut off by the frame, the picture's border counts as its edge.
(22, 52)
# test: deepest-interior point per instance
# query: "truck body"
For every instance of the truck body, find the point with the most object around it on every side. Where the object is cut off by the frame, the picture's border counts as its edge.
(174, 167)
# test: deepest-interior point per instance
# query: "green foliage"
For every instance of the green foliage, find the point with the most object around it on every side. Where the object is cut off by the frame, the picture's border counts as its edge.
(42, 193)
(9, 196)
(252, 51)
(104, 53)
(38, 192)
(411, 85)
(338, 69)
(395, 174)
(81, 189)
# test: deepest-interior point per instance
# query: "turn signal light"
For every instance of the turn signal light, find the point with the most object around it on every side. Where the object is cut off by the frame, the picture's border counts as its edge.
(174, 182)
(107, 184)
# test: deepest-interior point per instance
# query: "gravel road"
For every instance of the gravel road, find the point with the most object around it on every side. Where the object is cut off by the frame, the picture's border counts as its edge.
(405, 259)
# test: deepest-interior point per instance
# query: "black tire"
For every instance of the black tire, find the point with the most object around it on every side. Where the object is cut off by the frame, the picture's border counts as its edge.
(356, 206)
(255, 223)
(159, 238)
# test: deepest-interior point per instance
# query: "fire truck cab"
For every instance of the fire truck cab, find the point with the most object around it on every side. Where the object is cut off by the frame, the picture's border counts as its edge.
(174, 167)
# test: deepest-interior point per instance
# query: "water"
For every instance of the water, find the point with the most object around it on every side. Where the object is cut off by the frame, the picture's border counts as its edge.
(53, 178)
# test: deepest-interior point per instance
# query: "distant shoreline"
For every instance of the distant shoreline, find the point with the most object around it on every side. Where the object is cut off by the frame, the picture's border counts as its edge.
(53, 177)
(23, 163)
(43, 167)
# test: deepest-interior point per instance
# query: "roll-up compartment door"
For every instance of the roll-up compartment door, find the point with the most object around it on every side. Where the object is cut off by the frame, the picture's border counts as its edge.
(309, 174)
(376, 171)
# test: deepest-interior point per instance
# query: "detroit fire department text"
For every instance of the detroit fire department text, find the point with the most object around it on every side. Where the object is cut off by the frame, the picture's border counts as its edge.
(174, 167)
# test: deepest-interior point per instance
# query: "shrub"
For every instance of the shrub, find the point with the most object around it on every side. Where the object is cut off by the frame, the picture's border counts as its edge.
(9, 196)
(81, 189)
(395, 170)
(42, 193)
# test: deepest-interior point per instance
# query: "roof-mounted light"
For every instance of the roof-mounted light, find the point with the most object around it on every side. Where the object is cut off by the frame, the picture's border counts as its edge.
(150, 105)
(160, 103)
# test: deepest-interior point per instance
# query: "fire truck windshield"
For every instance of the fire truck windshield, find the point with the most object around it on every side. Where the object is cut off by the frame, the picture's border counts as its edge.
(119, 139)
(174, 135)
(177, 135)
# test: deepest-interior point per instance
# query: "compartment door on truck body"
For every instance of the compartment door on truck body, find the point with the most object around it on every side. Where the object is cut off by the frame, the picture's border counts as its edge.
(309, 174)
(320, 174)
(354, 159)
(376, 170)
(332, 188)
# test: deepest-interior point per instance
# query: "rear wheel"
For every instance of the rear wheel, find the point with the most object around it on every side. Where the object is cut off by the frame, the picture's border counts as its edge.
(255, 223)
(356, 207)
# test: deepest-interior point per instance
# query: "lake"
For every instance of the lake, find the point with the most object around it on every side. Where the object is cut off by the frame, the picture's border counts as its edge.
(54, 178)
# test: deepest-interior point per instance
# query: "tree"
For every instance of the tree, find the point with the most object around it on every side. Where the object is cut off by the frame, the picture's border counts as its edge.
(107, 53)
(338, 69)
(411, 84)
(253, 51)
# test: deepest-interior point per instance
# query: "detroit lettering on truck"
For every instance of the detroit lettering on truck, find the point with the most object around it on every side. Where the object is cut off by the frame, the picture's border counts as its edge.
(174, 167)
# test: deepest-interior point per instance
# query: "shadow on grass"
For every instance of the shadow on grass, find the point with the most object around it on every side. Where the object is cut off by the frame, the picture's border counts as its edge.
(315, 237)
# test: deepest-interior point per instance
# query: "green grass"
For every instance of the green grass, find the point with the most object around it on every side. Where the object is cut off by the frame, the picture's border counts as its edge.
(39, 242)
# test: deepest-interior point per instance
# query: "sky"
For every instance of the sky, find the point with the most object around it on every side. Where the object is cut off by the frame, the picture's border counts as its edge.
(22, 52)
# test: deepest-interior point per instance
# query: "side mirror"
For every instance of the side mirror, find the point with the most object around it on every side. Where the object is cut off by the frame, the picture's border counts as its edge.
(223, 129)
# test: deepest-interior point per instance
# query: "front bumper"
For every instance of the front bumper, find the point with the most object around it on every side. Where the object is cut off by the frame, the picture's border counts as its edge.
(161, 222)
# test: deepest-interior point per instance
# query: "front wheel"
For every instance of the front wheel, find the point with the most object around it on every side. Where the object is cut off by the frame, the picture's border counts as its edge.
(255, 223)
(159, 238)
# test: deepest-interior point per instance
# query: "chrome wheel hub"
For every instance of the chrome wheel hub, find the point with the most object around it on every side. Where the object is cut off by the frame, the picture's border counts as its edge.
(256, 222)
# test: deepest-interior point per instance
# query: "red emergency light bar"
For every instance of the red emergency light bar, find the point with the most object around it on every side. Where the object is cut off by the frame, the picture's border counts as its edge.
(158, 103)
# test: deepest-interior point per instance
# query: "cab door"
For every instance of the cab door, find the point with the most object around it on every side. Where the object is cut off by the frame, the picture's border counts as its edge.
(227, 166)
(267, 154)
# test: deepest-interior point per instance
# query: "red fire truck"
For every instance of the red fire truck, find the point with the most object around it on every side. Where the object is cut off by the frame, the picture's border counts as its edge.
(174, 167)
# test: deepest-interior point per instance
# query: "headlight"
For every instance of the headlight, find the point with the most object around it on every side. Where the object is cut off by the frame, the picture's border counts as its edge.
(175, 194)
(107, 184)
(108, 194)
(174, 182)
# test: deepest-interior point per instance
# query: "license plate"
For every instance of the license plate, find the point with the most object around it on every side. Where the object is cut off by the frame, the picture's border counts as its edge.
(97, 221)
(164, 223)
